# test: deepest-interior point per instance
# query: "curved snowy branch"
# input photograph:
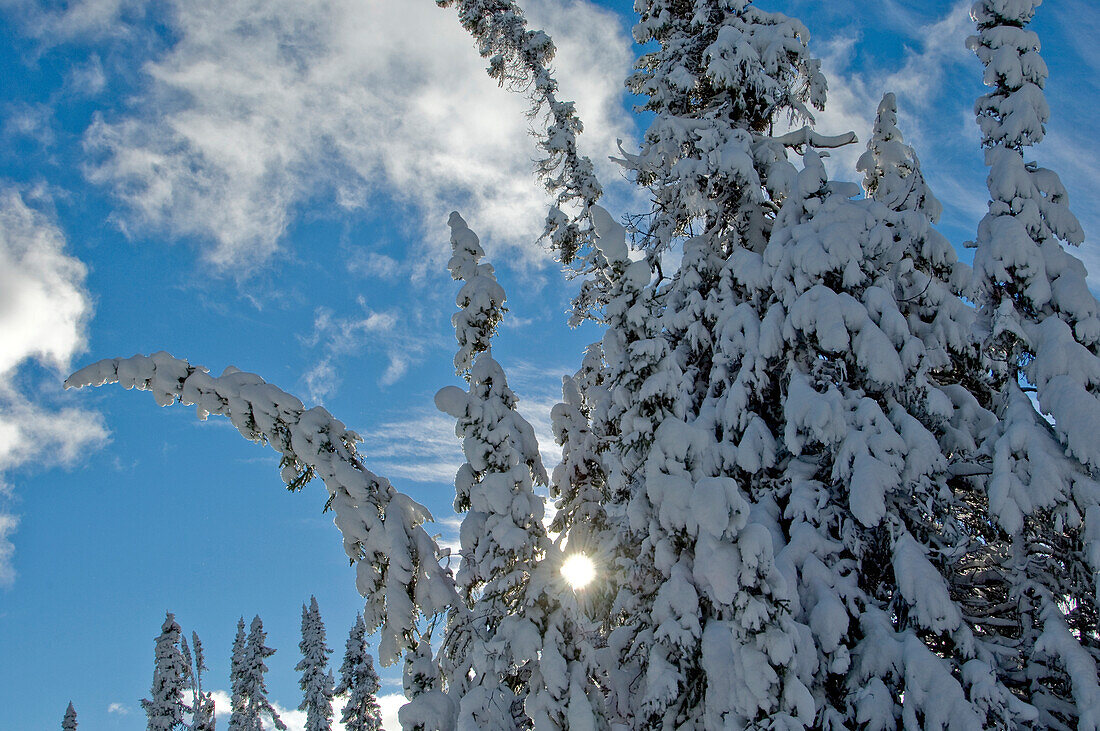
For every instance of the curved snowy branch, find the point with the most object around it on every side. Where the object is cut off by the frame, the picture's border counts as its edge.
(807, 136)
(521, 58)
(397, 562)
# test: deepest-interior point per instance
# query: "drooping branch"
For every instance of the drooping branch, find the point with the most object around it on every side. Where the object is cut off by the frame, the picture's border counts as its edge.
(521, 58)
(396, 560)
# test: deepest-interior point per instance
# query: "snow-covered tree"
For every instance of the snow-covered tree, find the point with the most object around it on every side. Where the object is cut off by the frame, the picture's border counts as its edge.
(316, 681)
(833, 477)
(1040, 330)
(68, 723)
(722, 73)
(250, 702)
(202, 702)
(165, 706)
(501, 538)
(359, 683)
(514, 656)
(237, 698)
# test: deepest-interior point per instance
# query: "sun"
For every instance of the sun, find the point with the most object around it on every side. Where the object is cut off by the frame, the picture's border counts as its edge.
(578, 570)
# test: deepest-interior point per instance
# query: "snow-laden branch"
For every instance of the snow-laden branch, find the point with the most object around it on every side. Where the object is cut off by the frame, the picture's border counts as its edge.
(521, 58)
(807, 136)
(397, 562)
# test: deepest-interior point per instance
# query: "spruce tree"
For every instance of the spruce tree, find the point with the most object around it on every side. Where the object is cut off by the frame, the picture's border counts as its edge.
(826, 491)
(249, 690)
(68, 723)
(165, 706)
(237, 660)
(501, 536)
(515, 656)
(1040, 334)
(316, 681)
(202, 702)
(359, 683)
(722, 73)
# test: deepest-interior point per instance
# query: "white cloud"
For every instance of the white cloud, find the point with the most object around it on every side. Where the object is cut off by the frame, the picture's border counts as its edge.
(87, 79)
(372, 264)
(44, 308)
(295, 720)
(222, 705)
(421, 447)
(119, 709)
(260, 108)
(391, 704)
(92, 19)
(8, 524)
(338, 336)
(856, 86)
(43, 313)
(321, 380)
(32, 121)
(29, 431)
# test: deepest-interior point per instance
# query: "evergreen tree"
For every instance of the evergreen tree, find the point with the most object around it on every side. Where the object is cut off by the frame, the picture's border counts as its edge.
(165, 706)
(317, 681)
(69, 722)
(514, 658)
(202, 702)
(253, 687)
(237, 660)
(824, 489)
(720, 76)
(1040, 329)
(501, 536)
(359, 682)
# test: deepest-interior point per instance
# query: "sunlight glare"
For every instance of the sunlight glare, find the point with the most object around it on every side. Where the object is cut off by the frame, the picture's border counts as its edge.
(578, 570)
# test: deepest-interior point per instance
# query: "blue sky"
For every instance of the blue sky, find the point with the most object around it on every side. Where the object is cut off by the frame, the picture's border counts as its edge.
(265, 184)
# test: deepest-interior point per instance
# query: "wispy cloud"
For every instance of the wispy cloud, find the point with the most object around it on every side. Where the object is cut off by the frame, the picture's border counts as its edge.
(80, 19)
(420, 447)
(856, 85)
(8, 524)
(119, 709)
(43, 315)
(336, 337)
(259, 109)
(373, 265)
(31, 121)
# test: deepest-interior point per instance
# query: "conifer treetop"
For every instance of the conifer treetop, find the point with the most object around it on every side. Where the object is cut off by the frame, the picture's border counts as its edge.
(68, 723)
(316, 681)
(165, 706)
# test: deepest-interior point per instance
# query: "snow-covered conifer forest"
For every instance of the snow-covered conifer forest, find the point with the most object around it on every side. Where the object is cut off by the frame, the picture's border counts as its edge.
(822, 472)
